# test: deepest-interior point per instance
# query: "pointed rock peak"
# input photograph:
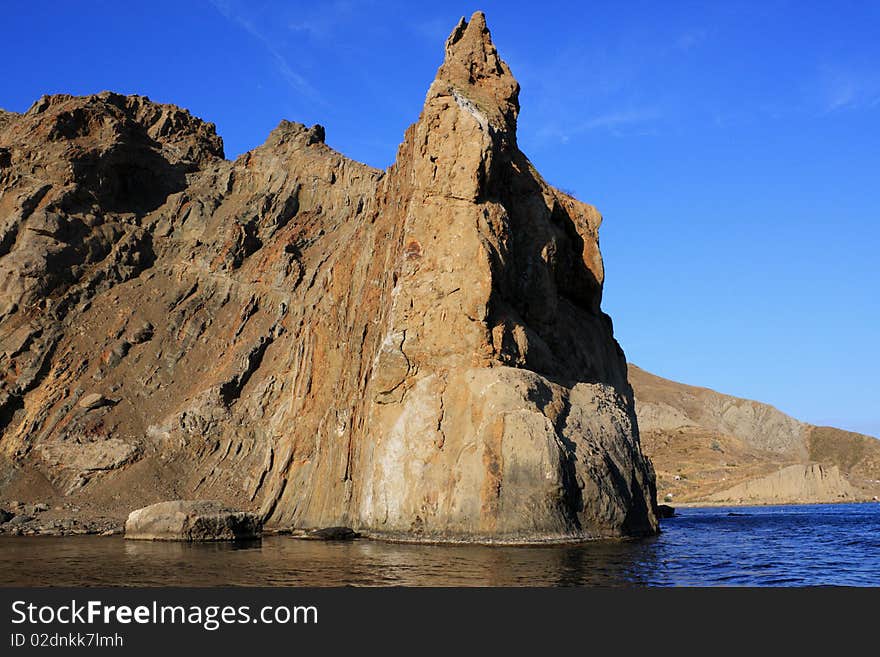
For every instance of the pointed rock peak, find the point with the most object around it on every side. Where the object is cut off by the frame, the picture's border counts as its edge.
(474, 69)
(457, 32)
(476, 28)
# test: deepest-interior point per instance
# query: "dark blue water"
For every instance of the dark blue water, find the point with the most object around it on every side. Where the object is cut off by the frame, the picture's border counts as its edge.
(833, 544)
(754, 546)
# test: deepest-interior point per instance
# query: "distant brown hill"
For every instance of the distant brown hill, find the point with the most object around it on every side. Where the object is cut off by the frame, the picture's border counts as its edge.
(714, 448)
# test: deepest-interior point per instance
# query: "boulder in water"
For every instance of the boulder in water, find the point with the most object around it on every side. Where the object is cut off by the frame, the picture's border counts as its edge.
(189, 520)
(332, 534)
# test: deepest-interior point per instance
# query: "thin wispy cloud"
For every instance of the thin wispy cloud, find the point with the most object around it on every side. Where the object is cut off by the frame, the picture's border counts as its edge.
(312, 28)
(610, 86)
(690, 40)
(322, 24)
(294, 78)
(840, 92)
(621, 123)
(434, 31)
(846, 89)
(618, 119)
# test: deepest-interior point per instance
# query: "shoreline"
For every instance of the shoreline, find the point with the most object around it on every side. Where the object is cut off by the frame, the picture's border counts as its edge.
(716, 505)
(104, 527)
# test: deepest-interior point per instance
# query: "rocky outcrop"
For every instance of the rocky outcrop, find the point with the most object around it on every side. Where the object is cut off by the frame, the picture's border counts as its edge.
(795, 484)
(25, 519)
(187, 520)
(705, 444)
(417, 354)
(331, 534)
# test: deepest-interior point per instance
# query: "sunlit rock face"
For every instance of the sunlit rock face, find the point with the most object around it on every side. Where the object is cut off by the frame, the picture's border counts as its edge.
(417, 353)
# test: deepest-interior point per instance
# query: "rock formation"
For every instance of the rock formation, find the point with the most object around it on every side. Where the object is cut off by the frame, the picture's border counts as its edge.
(192, 520)
(708, 447)
(417, 353)
(794, 484)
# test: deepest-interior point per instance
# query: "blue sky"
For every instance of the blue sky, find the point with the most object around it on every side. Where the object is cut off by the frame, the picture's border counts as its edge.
(732, 147)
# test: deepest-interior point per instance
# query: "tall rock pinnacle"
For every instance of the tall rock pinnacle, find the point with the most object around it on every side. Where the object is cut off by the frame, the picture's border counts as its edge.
(475, 75)
(496, 359)
(419, 354)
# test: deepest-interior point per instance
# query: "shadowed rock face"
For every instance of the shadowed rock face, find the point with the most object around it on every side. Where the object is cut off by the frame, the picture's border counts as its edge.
(418, 353)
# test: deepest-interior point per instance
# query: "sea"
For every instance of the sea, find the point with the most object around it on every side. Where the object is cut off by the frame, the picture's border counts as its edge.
(790, 546)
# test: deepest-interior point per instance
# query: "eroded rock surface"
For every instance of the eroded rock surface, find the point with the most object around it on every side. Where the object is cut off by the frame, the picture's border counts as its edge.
(417, 353)
(795, 484)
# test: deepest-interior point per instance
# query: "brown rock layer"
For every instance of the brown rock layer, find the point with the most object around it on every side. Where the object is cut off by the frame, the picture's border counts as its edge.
(418, 353)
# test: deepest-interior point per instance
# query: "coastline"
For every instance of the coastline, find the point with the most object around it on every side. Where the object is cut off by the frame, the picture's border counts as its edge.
(65, 526)
(717, 505)
(714, 547)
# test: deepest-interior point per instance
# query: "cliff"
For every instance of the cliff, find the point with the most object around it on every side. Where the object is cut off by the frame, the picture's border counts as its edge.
(417, 353)
(711, 447)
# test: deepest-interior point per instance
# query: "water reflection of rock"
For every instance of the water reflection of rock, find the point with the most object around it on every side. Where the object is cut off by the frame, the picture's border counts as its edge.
(185, 549)
(615, 563)
(285, 561)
